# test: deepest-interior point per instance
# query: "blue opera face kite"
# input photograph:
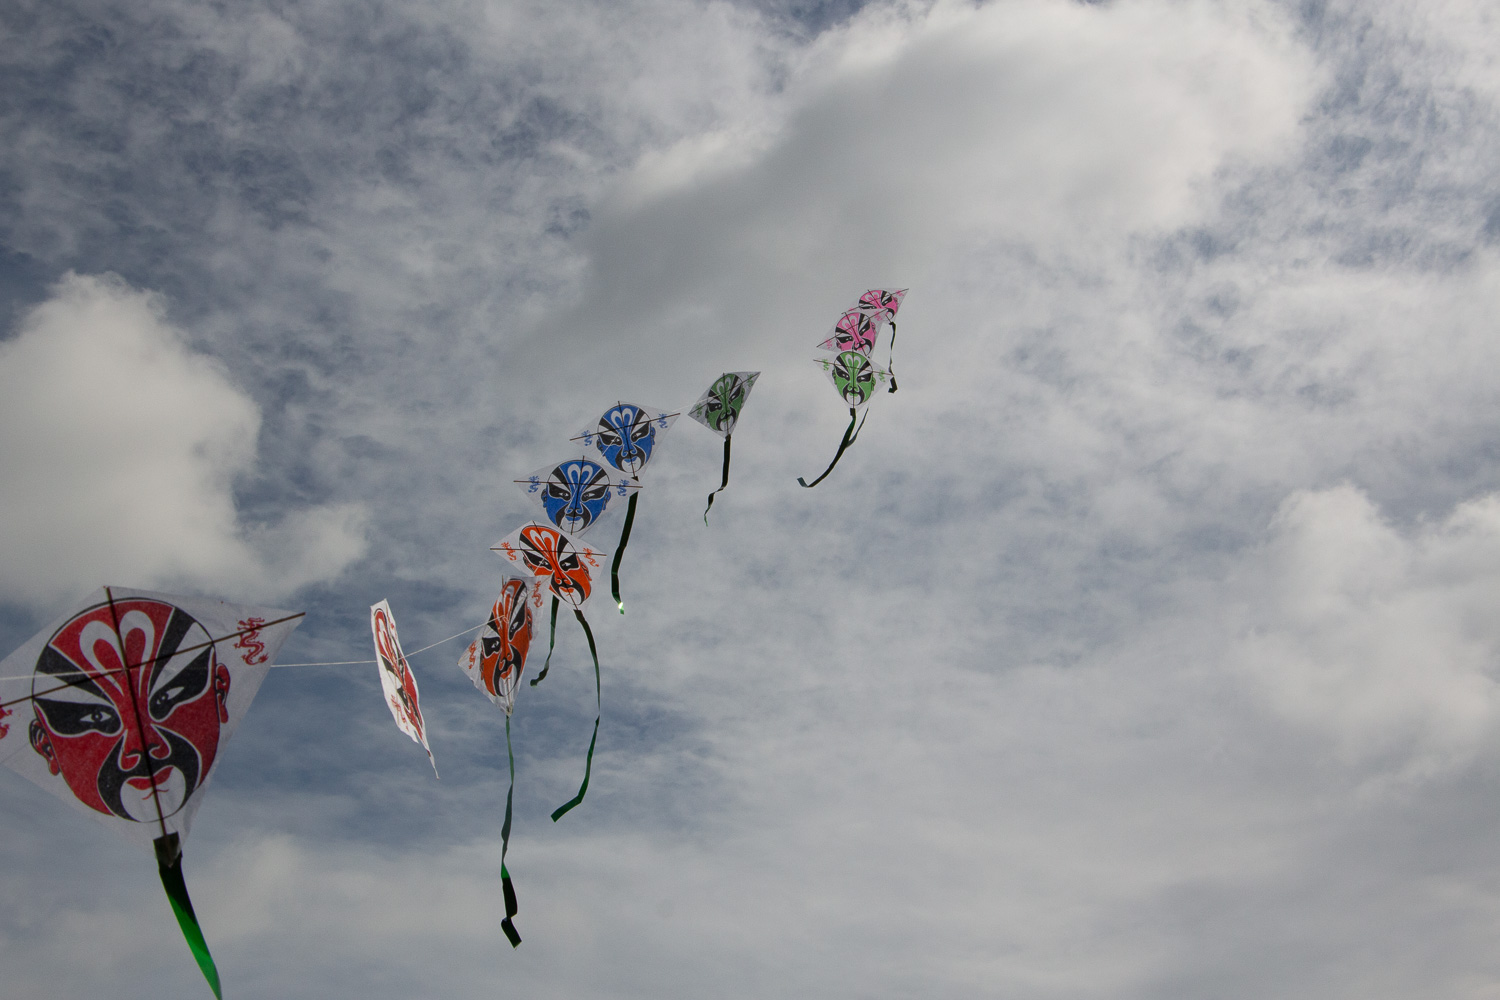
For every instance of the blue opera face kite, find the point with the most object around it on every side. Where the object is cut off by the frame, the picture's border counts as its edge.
(576, 493)
(626, 436)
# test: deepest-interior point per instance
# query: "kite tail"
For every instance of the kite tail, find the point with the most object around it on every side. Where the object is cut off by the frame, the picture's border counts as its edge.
(722, 485)
(614, 570)
(551, 642)
(588, 766)
(850, 436)
(891, 364)
(169, 862)
(510, 893)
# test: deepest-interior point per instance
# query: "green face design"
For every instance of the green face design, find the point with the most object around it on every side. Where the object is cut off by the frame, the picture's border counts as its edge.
(722, 407)
(719, 409)
(853, 377)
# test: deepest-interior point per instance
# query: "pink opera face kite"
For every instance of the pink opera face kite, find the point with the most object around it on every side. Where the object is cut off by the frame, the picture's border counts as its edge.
(859, 327)
(881, 304)
(132, 700)
(566, 563)
(396, 678)
(855, 331)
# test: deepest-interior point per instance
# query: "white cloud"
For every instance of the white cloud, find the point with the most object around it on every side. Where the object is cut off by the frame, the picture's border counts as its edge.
(1387, 643)
(121, 447)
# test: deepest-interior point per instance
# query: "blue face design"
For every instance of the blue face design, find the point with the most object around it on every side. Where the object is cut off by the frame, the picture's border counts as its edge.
(576, 494)
(625, 438)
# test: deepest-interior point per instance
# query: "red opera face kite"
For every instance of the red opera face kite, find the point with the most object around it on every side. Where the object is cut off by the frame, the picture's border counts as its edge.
(566, 563)
(133, 743)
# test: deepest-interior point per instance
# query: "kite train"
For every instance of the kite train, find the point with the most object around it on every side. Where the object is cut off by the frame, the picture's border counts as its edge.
(123, 705)
(854, 376)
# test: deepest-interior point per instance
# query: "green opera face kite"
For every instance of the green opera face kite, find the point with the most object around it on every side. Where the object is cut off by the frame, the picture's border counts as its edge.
(718, 409)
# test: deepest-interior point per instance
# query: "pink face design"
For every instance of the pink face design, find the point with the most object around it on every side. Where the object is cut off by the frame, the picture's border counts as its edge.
(132, 726)
(881, 305)
(855, 331)
(394, 662)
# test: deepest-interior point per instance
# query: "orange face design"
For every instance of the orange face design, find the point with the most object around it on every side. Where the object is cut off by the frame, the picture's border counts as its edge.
(503, 653)
(550, 553)
(129, 703)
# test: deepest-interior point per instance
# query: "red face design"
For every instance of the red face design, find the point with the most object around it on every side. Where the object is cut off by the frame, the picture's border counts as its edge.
(394, 662)
(132, 730)
(548, 552)
(504, 654)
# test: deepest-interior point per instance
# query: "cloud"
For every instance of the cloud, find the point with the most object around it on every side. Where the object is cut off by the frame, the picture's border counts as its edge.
(1383, 642)
(121, 446)
(916, 130)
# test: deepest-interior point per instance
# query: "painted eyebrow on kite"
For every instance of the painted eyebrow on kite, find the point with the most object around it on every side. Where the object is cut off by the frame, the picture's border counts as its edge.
(84, 678)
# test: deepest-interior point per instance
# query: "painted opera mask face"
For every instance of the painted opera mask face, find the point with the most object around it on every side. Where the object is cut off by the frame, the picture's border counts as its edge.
(853, 376)
(721, 408)
(548, 552)
(129, 703)
(626, 437)
(388, 651)
(503, 655)
(576, 494)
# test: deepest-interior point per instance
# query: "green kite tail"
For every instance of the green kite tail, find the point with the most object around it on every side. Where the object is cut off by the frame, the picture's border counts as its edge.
(551, 641)
(723, 485)
(169, 863)
(851, 434)
(614, 570)
(588, 766)
(511, 909)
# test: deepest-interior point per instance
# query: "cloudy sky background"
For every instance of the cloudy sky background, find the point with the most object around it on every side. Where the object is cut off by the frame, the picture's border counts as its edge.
(1143, 647)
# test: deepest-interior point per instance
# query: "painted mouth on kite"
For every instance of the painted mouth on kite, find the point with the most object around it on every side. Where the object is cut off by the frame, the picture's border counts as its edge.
(144, 784)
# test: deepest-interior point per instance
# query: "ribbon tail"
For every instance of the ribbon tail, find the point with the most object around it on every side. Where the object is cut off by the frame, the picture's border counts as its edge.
(510, 893)
(891, 364)
(850, 434)
(551, 642)
(169, 863)
(614, 570)
(588, 765)
(722, 485)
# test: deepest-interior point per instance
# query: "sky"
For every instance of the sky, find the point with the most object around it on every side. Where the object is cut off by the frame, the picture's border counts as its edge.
(1142, 648)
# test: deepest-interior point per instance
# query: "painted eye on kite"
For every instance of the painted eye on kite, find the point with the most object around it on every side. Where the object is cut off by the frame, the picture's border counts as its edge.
(517, 619)
(558, 491)
(595, 493)
(608, 437)
(68, 718)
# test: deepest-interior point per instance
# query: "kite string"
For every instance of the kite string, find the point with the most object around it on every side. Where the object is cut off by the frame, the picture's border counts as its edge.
(350, 663)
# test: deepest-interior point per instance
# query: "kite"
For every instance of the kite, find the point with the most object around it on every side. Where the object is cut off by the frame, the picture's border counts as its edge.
(396, 678)
(542, 551)
(856, 379)
(494, 662)
(881, 305)
(849, 367)
(625, 435)
(132, 696)
(718, 409)
(574, 494)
